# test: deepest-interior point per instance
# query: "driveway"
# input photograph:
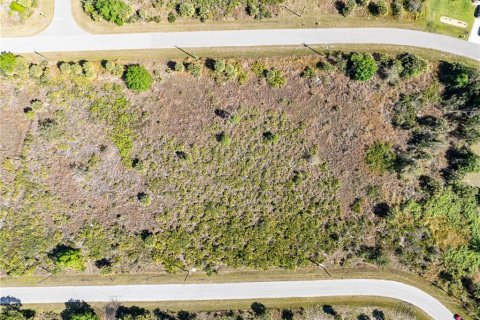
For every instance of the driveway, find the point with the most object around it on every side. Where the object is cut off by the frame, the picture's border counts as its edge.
(232, 291)
(474, 33)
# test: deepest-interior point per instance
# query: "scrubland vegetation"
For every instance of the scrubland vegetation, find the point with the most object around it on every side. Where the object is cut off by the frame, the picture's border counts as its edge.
(340, 159)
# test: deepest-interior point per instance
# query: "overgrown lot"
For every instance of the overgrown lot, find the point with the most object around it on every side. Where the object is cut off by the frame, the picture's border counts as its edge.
(124, 166)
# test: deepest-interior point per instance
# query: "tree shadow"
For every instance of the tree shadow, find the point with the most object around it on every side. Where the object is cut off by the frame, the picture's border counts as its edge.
(340, 6)
(132, 312)
(75, 307)
(162, 315)
(381, 210)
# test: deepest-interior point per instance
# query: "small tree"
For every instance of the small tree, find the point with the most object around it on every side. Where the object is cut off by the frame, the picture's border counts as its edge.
(78, 310)
(195, 69)
(172, 17)
(115, 11)
(179, 67)
(7, 62)
(224, 139)
(397, 9)
(186, 10)
(380, 157)
(309, 73)
(68, 258)
(378, 9)
(138, 78)
(275, 78)
(219, 66)
(363, 66)
(348, 8)
(413, 66)
(35, 71)
(144, 198)
(89, 69)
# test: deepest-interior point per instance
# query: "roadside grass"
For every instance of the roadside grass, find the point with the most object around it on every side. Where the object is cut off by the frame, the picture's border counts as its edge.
(457, 9)
(217, 305)
(248, 52)
(40, 20)
(361, 272)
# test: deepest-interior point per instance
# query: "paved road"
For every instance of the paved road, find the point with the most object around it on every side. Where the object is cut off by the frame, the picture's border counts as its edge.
(231, 291)
(65, 35)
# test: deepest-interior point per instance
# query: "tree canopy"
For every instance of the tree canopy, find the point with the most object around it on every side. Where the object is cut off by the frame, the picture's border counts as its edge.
(138, 78)
(363, 66)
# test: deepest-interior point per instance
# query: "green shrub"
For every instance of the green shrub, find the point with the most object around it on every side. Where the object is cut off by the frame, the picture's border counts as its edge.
(172, 17)
(224, 139)
(378, 9)
(7, 63)
(462, 262)
(138, 78)
(357, 205)
(275, 78)
(271, 137)
(195, 69)
(363, 66)
(68, 258)
(89, 69)
(35, 71)
(259, 68)
(413, 66)
(413, 5)
(76, 69)
(309, 73)
(230, 71)
(219, 66)
(179, 67)
(380, 157)
(469, 129)
(36, 105)
(144, 198)
(461, 161)
(405, 111)
(15, 6)
(397, 9)
(50, 129)
(348, 7)
(186, 10)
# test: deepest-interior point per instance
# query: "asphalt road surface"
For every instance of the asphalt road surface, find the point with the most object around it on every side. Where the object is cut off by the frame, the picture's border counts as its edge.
(232, 291)
(65, 35)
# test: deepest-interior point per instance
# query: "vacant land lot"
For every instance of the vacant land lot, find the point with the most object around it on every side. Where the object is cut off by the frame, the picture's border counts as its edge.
(338, 158)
